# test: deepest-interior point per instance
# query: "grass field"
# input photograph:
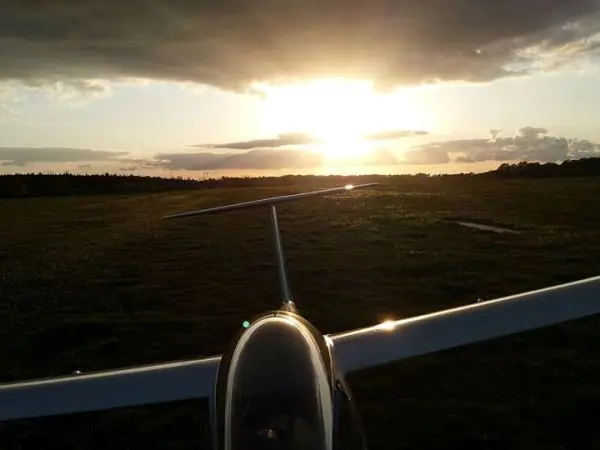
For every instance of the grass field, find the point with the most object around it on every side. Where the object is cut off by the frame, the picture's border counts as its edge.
(101, 282)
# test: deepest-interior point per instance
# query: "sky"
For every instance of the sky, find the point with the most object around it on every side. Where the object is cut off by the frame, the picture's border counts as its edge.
(256, 87)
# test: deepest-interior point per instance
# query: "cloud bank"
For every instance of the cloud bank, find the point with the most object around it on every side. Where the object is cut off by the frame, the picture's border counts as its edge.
(265, 158)
(233, 43)
(527, 144)
(21, 156)
(280, 141)
(300, 139)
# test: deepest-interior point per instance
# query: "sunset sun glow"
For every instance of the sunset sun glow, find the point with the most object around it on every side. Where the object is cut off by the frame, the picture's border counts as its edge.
(339, 113)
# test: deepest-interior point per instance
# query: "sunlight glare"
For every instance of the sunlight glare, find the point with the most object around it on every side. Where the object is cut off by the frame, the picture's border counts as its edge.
(338, 113)
(387, 325)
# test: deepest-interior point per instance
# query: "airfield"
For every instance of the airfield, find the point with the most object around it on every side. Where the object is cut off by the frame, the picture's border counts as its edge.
(101, 282)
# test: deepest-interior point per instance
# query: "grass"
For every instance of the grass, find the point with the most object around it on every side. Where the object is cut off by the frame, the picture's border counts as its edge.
(92, 283)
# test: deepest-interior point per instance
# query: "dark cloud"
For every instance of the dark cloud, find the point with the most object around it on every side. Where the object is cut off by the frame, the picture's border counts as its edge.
(298, 139)
(129, 168)
(265, 158)
(12, 164)
(21, 156)
(231, 43)
(280, 141)
(528, 144)
(252, 159)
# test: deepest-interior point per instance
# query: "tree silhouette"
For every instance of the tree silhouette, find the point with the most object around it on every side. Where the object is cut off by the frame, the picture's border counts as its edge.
(40, 185)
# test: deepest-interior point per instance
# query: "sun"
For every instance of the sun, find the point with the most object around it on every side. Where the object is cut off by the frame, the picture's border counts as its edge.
(339, 113)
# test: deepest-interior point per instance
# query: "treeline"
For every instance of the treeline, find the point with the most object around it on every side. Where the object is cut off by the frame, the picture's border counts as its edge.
(42, 185)
(585, 167)
(45, 185)
(310, 181)
(39, 185)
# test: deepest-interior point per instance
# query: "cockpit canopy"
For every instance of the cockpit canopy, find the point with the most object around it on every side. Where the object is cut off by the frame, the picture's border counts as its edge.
(278, 392)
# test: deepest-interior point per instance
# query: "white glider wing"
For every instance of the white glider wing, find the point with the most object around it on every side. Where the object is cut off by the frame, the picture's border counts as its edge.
(401, 339)
(354, 350)
(109, 389)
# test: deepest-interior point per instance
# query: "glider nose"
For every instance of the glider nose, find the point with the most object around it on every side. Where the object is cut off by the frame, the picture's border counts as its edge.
(276, 384)
(274, 359)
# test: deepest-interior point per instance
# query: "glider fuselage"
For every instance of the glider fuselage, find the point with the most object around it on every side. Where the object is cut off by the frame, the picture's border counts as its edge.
(278, 387)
